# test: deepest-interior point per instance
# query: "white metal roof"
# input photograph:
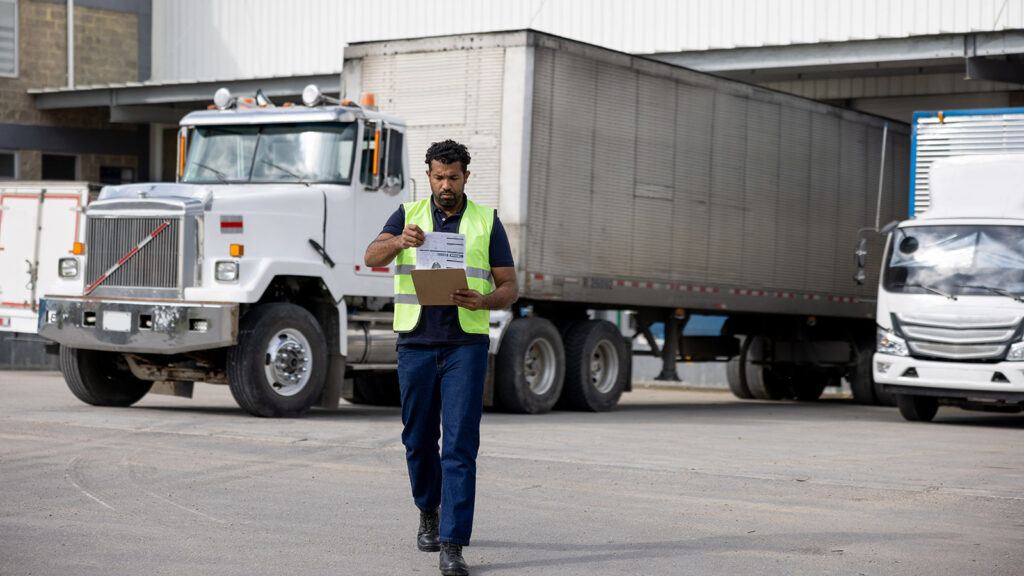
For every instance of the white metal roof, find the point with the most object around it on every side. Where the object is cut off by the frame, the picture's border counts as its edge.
(261, 38)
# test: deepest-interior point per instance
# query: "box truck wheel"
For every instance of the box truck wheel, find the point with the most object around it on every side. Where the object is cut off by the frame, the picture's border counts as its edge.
(596, 366)
(531, 366)
(98, 378)
(917, 408)
(762, 384)
(279, 366)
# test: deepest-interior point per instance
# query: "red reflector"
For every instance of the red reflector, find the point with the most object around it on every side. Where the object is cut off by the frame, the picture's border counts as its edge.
(380, 269)
(230, 224)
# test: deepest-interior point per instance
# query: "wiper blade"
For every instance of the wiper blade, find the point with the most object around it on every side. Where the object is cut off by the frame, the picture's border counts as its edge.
(928, 288)
(286, 171)
(220, 175)
(993, 290)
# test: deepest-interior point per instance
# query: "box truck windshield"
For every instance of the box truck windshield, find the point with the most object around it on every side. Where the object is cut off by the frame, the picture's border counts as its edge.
(956, 260)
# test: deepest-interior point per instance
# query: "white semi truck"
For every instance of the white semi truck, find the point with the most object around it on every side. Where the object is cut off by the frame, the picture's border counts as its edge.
(623, 183)
(951, 293)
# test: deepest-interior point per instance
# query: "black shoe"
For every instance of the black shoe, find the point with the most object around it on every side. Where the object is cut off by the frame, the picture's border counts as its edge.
(452, 563)
(426, 537)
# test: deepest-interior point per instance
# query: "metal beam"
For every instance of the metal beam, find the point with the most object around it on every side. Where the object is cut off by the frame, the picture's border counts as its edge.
(148, 94)
(979, 68)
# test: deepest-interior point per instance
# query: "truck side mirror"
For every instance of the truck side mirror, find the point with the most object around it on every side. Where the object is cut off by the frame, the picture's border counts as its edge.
(860, 258)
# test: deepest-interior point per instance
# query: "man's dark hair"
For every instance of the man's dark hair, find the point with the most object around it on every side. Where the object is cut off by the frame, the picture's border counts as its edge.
(448, 152)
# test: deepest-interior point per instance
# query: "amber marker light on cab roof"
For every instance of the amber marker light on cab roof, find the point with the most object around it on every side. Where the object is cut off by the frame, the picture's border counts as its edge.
(237, 250)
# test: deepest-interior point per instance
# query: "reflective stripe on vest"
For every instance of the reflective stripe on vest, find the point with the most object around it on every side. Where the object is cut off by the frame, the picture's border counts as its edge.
(475, 225)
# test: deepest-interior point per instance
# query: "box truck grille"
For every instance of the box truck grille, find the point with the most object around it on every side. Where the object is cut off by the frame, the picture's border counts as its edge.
(109, 240)
(981, 338)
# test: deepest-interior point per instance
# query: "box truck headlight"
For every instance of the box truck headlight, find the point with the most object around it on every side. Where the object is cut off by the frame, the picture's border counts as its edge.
(888, 343)
(226, 270)
(1016, 353)
(68, 267)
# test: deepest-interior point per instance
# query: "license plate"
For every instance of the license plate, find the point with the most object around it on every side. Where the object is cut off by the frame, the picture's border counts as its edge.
(114, 321)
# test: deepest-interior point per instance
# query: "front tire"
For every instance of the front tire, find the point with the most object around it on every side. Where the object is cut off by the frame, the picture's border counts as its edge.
(279, 366)
(597, 366)
(531, 367)
(100, 378)
(917, 408)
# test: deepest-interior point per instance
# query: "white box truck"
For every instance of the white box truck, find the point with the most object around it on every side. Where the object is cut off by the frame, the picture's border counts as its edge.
(950, 305)
(623, 183)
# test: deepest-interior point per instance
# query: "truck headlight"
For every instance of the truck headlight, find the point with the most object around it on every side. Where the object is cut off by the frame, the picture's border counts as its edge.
(1016, 353)
(226, 270)
(888, 343)
(68, 267)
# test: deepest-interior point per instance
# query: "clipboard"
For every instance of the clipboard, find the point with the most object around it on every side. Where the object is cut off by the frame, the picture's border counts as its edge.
(433, 287)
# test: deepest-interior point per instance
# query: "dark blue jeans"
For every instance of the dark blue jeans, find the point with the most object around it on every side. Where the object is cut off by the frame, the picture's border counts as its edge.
(442, 387)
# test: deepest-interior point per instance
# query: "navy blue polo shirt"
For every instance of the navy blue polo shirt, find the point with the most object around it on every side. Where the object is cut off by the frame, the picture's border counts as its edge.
(440, 324)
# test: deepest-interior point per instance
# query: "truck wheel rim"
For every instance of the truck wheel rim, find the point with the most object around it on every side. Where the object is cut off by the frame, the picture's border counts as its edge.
(539, 366)
(604, 367)
(287, 362)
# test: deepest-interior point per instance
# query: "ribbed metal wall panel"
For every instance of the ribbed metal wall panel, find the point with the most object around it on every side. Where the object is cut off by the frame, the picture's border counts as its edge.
(207, 39)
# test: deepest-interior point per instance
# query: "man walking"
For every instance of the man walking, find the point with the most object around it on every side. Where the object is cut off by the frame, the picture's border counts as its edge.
(442, 350)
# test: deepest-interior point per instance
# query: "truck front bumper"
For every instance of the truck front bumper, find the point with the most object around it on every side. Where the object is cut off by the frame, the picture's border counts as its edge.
(907, 375)
(156, 327)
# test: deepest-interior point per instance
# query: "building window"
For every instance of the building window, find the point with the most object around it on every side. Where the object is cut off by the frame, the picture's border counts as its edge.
(8, 165)
(116, 175)
(8, 38)
(60, 167)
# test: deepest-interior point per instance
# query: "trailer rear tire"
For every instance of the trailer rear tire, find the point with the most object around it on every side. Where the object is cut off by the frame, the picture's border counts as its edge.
(917, 408)
(531, 367)
(376, 389)
(96, 378)
(279, 366)
(734, 376)
(862, 382)
(596, 367)
(760, 380)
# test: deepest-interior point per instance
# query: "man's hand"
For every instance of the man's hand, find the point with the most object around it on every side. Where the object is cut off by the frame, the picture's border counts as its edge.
(469, 299)
(412, 237)
(385, 247)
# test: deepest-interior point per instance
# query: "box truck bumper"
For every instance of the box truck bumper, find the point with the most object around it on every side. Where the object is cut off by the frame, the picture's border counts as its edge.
(906, 375)
(138, 326)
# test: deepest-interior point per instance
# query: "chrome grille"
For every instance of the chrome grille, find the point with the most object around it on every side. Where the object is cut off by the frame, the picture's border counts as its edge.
(967, 337)
(109, 240)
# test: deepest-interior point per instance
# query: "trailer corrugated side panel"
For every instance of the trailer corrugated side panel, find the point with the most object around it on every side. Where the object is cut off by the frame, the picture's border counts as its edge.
(702, 192)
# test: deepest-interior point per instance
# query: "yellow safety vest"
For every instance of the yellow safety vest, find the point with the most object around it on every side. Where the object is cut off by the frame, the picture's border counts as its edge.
(475, 225)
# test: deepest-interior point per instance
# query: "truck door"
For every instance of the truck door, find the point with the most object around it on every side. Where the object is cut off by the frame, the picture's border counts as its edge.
(382, 176)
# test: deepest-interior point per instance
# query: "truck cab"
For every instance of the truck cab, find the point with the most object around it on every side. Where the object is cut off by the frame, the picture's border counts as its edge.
(248, 270)
(951, 293)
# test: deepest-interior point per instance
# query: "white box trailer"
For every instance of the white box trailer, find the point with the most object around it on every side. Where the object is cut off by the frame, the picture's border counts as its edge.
(633, 184)
(39, 223)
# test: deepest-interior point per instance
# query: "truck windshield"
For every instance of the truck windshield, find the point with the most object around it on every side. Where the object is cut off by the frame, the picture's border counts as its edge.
(272, 153)
(972, 260)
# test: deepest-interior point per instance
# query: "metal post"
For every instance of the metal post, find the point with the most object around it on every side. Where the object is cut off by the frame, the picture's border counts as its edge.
(669, 351)
(71, 43)
(881, 175)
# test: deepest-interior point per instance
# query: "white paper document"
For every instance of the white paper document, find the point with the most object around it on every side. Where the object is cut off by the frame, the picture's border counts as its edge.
(442, 250)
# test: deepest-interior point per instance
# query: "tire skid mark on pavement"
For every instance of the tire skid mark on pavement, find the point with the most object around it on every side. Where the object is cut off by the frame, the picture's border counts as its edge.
(138, 476)
(73, 473)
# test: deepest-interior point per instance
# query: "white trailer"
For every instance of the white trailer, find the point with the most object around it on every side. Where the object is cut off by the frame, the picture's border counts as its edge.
(624, 183)
(28, 256)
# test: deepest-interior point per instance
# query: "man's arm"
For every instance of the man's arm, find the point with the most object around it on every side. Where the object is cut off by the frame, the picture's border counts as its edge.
(386, 246)
(506, 291)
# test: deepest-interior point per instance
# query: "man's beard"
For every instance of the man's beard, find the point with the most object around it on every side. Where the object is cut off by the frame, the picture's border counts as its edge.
(446, 202)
